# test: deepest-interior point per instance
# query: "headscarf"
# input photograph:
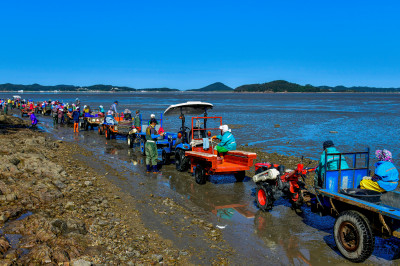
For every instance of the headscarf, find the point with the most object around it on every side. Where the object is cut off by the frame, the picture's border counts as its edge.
(224, 128)
(152, 116)
(384, 155)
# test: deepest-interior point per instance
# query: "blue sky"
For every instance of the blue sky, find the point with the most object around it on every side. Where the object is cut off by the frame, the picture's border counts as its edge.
(190, 44)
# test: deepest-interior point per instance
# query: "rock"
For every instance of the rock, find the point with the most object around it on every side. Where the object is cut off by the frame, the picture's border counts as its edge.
(4, 245)
(88, 183)
(157, 258)
(60, 255)
(59, 184)
(70, 205)
(15, 161)
(183, 253)
(3, 218)
(80, 262)
(11, 197)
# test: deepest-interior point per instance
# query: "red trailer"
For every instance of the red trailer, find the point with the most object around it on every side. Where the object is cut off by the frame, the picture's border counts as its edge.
(204, 160)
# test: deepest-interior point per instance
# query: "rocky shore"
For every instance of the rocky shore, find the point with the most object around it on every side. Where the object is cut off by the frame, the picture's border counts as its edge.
(56, 210)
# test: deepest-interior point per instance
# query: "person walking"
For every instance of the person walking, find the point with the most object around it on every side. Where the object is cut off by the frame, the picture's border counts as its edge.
(75, 117)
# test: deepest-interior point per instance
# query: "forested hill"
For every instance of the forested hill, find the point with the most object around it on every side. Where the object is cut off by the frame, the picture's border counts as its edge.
(217, 87)
(99, 87)
(285, 86)
(277, 86)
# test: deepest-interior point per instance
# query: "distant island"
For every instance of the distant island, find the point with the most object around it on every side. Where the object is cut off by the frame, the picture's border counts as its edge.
(268, 87)
(61, 88)
(285, 86)
(215, 87)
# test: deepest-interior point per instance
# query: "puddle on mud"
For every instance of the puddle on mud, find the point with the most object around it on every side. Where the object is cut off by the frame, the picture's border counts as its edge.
(280, 236)
(14, 239)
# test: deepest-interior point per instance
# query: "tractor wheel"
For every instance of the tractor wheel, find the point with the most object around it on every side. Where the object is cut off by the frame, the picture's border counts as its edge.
(129, 139)
(142, 146)
(165, 158)
(264, 197)
(108, 133)
(353, 236)
(200, 175)
(240, 176)
(181, 161)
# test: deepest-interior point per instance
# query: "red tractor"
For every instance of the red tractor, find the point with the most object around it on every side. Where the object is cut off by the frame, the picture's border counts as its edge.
(273, 182)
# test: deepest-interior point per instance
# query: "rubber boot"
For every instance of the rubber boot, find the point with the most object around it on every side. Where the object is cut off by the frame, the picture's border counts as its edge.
(155, 169)
(148, 168)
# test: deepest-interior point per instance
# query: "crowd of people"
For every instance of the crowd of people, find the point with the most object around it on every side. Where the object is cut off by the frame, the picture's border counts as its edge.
(385, 176)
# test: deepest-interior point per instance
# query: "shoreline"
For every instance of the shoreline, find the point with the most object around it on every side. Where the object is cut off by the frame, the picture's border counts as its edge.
(60, 211)
(192, 92)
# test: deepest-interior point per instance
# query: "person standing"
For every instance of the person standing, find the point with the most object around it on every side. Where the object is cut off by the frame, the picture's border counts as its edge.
(136, 120)
(61, 115)
(113, 108)
(151, 147)
(75, 117)
(54, 112)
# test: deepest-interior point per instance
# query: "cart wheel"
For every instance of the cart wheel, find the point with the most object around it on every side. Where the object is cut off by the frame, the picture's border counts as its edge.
(264, 197)
(165, 157)
(142, 147)
(200, 175)
(353, 236)
(130, 141)
(108, 136)
(181, 161)
(240, 176)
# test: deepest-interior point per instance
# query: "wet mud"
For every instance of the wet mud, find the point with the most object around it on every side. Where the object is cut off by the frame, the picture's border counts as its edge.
(215, 223)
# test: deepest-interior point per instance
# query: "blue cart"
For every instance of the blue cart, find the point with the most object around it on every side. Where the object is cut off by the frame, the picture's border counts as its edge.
(360, 214)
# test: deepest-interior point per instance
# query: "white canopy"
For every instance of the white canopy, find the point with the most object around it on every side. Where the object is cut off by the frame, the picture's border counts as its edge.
(188, 108)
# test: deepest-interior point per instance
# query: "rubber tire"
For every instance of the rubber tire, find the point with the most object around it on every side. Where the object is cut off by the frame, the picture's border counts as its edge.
(181, 161)
(165, 158)
(108, 134)
(240, 176)
(100, 130)
(366, 237)
(129, 140)
(142, 147)
(85, 125)
(264, 191)
(200, 175)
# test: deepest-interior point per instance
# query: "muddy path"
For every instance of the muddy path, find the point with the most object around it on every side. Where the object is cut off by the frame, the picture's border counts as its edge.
(217, 222)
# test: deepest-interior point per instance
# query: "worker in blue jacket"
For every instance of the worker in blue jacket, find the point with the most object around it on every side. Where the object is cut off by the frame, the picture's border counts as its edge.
(228, 142)
(332, 162)
(386, 177)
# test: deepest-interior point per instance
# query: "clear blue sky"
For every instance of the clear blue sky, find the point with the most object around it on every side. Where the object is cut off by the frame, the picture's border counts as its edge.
(190, 44)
